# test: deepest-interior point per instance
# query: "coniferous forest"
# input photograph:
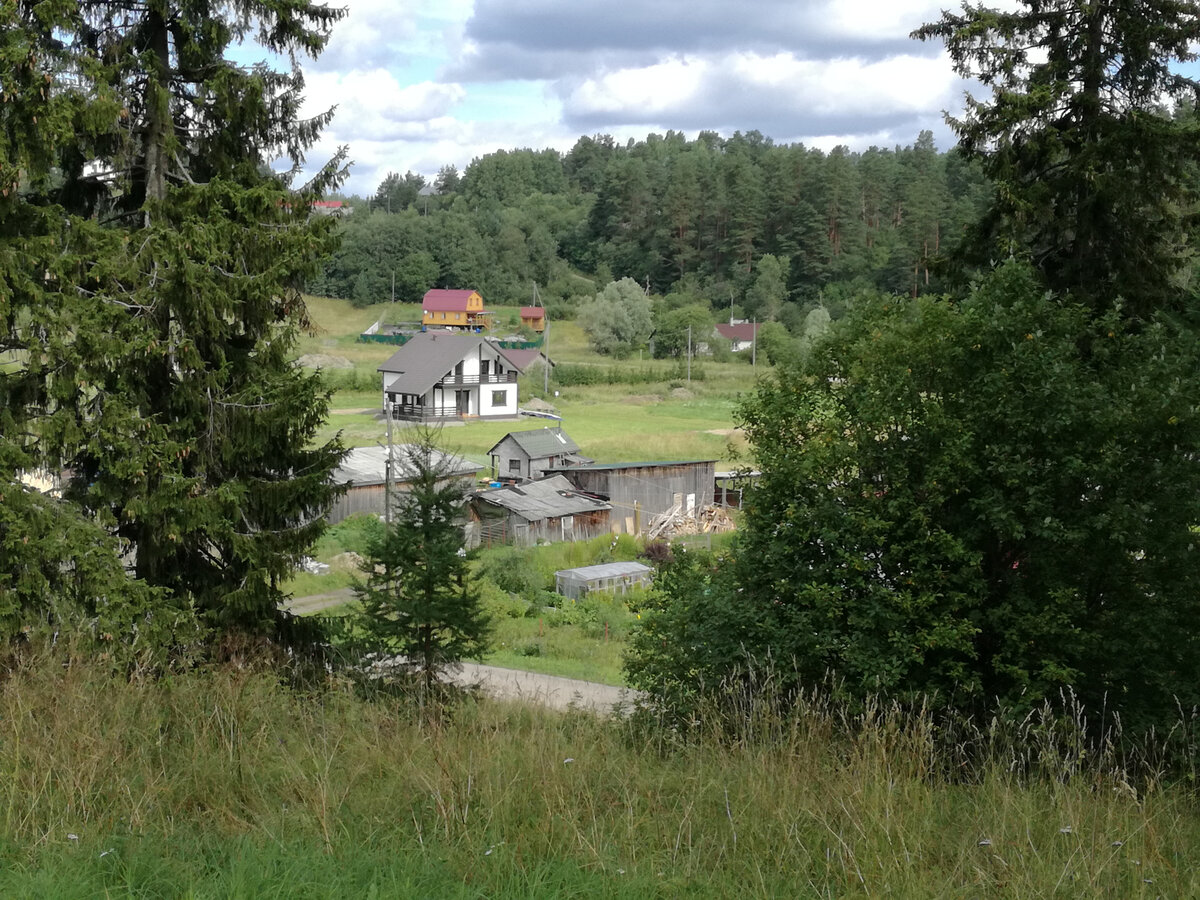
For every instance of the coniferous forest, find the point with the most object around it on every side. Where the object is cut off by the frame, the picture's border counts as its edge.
(776, 230)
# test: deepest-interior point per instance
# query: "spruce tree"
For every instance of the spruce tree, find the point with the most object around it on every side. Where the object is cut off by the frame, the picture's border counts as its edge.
(1095, 181)
(155, 314)
(417, 600)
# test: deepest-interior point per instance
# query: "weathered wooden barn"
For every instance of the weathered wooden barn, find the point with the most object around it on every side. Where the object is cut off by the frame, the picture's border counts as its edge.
(639, 491)
(550, 510)
(364, 470)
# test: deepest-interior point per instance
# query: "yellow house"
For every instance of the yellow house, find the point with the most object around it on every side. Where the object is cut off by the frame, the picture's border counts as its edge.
(454, 309)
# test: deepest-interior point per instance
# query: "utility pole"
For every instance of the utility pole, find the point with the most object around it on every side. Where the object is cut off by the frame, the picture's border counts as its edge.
(689, 354)
(754, 343)
(387, 467)
(393, 285)
(546, 361)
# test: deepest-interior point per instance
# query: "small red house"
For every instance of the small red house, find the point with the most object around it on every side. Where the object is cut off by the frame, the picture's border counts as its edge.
(534, 317)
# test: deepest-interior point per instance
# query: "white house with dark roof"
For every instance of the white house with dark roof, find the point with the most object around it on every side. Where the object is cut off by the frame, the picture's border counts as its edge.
(741, 335)
(525, 454)
(439, 377)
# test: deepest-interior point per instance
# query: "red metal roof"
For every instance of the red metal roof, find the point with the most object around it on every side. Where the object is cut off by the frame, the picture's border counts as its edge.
(744, 331)
(441, 300)
(533, 312)
(329, 204)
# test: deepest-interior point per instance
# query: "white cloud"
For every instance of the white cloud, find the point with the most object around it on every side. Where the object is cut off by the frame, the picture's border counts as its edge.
(372, 104)
(431, 82)
(742, 90)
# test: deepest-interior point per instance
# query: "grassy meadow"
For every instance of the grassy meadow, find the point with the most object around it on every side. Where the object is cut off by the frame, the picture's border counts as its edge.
(668, 418)
(226, 783)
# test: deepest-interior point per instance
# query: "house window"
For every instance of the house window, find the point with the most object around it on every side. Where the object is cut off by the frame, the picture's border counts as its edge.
(499, 398)
(514, 467)
(457, 316)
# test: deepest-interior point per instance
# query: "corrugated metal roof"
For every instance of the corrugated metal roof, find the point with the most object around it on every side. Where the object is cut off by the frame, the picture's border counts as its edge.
(366, 465)
(538, 443)
(443, 300)
(550, 498)
(533, 312)
(598, 467)
(605, 570)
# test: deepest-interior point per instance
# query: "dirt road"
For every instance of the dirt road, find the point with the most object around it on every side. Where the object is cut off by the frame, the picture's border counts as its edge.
(548, 690)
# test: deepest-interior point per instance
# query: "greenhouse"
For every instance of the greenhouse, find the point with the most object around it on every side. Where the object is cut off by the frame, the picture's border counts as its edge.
(611, 578)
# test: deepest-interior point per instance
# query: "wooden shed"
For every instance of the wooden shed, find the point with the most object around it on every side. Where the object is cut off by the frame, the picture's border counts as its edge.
(364, 470)
(526, 454)
(549, 510)
(639, 491)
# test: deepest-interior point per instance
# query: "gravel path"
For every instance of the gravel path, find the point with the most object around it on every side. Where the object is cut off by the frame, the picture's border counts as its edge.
(304, 606)
(549, 690)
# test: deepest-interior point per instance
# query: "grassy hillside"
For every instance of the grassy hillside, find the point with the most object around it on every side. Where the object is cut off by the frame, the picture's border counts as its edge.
(225, 784)
(667, 418)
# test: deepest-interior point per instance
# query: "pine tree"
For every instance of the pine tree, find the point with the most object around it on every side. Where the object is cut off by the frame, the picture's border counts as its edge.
(158, 337)
(417, 600)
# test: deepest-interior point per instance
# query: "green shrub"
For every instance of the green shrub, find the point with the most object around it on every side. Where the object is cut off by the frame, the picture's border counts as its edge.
(500, 603)
(511, 569)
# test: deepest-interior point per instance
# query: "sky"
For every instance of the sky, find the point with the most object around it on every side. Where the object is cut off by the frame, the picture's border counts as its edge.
(420, 84)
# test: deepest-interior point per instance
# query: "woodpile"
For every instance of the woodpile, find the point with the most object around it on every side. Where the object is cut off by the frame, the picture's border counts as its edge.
(709, 520)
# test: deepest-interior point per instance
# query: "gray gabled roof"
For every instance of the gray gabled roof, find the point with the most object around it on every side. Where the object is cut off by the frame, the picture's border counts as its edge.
(368, 465)
(550, 498)
(540, 443)
(426, 359)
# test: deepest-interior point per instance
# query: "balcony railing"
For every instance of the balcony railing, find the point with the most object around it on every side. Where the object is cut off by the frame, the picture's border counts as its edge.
(504, 378)
(414, 413)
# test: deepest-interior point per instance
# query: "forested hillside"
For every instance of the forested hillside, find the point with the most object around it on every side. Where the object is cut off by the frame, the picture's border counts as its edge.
(707, 218)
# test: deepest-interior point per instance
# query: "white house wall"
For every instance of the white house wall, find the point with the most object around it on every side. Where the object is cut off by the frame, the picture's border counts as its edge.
(441, 400)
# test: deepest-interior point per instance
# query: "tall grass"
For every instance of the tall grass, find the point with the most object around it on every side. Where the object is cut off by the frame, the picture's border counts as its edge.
(226, 783)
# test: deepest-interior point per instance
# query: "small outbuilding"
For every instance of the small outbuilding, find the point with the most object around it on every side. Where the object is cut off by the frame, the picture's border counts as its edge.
(364, 472)
(534, 317)
(527, 454)
(525, 361)
(549, 510)
(608, 578)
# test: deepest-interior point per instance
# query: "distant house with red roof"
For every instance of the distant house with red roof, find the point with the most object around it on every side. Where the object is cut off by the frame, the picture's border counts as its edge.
(741, 335)
(453, 309)
(534, 317)
(331, 207)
